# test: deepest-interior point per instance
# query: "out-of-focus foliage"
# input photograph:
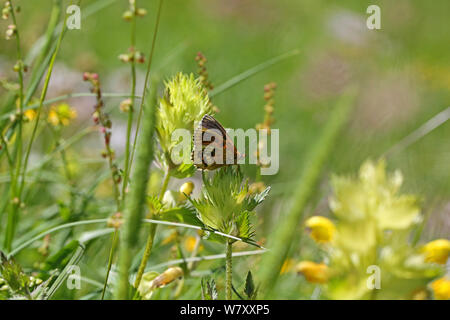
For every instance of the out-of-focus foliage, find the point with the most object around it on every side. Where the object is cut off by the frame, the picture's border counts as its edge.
(371, 255)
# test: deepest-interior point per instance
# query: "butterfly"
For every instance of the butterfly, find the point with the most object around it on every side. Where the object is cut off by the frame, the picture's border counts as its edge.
(209, 137)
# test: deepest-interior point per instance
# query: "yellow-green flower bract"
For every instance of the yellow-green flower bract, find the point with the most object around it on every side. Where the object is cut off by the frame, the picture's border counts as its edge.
(185, 102)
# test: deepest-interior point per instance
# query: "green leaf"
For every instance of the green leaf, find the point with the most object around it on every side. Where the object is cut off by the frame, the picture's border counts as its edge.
(258, 199)
(184, 170)
(249, 286)
(245, 227)
(13, 274)
(60, 259)
(154, 204)
(182, 214)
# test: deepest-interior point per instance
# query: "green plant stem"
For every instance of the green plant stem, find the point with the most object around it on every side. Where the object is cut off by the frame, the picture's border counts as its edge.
(111, 256)
(15, 200)
(136, 201)
(113, 177)
(287, 230)
(146, 256)
(147, 77)
(151, 236)
(131, 110)
(165, 184)
(229, 270)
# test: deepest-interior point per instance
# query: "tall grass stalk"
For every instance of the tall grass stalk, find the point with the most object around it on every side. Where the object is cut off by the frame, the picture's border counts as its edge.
(147, 77)
(132, 97)
(136, 201)
(287, 229)
(110, 260)
(251, 72)
(47, 38)
(18, 146)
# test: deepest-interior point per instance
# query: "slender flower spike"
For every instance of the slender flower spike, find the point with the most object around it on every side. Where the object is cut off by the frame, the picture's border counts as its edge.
(313, 272)
(441, 288)
(437, 251)
(322, 229)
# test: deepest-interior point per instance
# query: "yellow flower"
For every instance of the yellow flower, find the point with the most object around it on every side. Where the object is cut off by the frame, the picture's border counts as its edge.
(437, 251)
(287, 266)
(441, 288)
(322, 229)
(53, 118)
(190, 242)
(61, 114)
(30, 114)
(313, 272)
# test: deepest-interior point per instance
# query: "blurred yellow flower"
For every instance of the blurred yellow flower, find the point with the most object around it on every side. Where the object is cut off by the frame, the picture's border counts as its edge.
(30, 114)
(437, 251)
(190, 242)
(171, 238)
(322, 229)
(374, 196)
(313, 272)
(61, 114)
(441, 288)
(287, 266)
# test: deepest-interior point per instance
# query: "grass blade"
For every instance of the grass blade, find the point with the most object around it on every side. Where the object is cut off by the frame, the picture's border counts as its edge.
(252, 71)
(137, 198)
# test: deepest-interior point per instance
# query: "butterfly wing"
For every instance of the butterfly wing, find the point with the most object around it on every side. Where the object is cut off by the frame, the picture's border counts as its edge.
(224, 142)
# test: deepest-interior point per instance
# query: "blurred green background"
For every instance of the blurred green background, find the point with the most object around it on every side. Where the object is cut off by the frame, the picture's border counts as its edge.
(402, 71)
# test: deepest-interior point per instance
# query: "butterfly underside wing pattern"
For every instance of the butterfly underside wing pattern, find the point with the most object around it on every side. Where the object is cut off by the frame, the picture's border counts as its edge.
(211, 133)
